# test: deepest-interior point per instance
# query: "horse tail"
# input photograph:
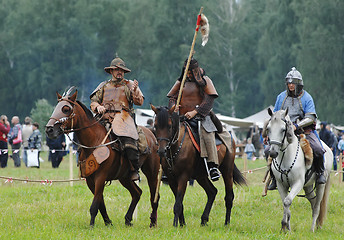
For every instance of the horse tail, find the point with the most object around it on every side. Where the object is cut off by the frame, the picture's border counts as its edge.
(323, 204)
(238, 178)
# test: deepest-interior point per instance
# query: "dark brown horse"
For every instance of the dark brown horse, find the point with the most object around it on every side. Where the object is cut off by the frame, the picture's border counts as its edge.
(71, 115)
(181, 161)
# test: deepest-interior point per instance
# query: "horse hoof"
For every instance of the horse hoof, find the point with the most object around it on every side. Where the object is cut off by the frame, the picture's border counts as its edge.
(128, 224)
(151, 225)
(204, 224)
(109, 223)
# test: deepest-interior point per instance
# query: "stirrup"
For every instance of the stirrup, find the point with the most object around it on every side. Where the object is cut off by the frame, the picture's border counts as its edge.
(273, 185)
(214, 174)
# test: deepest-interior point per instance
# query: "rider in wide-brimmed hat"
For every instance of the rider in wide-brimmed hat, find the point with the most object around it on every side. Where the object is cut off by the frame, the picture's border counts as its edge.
(117, 63)
(114, 99)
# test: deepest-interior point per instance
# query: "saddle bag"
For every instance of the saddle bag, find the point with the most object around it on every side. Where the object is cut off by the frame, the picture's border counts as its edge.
(88, 166)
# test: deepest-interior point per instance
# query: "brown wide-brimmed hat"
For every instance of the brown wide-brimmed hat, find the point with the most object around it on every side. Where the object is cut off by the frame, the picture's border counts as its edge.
(117, 63)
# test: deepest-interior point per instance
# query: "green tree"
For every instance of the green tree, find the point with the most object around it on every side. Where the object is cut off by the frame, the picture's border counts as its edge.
(41, 114)
(320, 54)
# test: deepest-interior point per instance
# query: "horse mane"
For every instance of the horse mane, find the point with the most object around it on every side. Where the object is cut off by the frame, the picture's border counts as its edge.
(290, 129)
(162, 116)
(88, 112)
(175, 122)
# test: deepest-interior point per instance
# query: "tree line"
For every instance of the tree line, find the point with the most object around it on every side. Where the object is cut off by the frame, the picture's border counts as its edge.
(48, 46)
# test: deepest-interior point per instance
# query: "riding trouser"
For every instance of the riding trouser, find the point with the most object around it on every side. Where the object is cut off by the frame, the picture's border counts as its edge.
(318, 152)
(131, 151)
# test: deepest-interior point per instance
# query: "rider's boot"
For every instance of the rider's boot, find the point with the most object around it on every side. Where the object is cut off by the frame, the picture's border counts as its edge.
(214, 171)
(320, 169)
(133, 157)
(273, 184)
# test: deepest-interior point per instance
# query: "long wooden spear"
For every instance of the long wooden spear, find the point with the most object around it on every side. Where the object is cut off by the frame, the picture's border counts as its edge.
(189, 58)
(181, 89)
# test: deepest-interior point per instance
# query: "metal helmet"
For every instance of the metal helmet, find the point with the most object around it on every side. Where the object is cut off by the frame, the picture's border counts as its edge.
(295, 77)
(117, 63)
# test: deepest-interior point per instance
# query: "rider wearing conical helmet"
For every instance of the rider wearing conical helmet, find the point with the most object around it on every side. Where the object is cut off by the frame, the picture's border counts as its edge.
(301, 110)
(114, 99)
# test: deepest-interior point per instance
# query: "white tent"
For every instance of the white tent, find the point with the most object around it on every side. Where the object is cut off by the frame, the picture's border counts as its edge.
(259, 117)
(142, 115)
(237, 122)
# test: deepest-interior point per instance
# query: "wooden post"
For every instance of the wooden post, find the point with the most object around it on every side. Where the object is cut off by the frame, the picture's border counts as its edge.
(136, 208)
(244, 157)
(71, 165)
(158, 185)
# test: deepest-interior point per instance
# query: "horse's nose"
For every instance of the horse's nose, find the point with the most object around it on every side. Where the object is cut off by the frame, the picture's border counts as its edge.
(161, 152)
(273, 153)
(49, 130)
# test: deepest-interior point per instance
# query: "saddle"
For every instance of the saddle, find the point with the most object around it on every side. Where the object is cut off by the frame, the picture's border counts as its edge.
(195, 138)
(92, 163)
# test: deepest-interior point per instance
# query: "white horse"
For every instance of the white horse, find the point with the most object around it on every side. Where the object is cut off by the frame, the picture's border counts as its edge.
(289, 169)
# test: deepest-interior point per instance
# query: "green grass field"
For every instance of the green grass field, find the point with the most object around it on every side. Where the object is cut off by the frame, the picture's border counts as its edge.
(60, 211)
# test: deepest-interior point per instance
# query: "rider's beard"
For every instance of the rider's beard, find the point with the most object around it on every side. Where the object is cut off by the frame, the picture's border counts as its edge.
(118, 78)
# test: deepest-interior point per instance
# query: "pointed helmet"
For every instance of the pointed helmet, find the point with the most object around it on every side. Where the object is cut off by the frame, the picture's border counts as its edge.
(117, 63)
(295, 77)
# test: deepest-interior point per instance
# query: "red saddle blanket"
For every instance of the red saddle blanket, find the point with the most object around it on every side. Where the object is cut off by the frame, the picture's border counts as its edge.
(194, 141)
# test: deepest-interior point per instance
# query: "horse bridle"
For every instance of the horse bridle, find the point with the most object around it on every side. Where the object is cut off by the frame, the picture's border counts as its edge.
(70, 117)
(280, 143)
(64, 120)
(278, 166)
(170, 142)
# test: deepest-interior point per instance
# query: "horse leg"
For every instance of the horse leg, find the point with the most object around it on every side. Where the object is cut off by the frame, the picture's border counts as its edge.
(178, 188)
(310, 195)
(152, 183)
(98, 202)
(316, 208)
(287, 200)
(229, 197)
(211, 192)
(323, 203)
(286, 212)
(135, 193)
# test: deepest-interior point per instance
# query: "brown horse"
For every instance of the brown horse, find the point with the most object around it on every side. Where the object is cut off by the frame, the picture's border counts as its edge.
(71, 115)
(181, 161)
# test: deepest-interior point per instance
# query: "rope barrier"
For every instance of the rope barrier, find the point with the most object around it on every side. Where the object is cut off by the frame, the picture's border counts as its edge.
(17, 150)
(253, 170)
(11, 179)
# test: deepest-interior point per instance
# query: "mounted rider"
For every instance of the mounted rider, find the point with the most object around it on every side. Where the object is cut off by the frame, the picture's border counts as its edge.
(301, 110)
(115, 99)
(196, 102)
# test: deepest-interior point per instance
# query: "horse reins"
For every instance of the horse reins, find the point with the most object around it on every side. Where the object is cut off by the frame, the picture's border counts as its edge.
(170, 143)
(71, 117)
(280, 144)
(286, 172)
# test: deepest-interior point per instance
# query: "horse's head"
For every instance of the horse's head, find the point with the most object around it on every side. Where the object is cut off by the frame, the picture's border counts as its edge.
(62, 116)
(164, 126)
(279, 130)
